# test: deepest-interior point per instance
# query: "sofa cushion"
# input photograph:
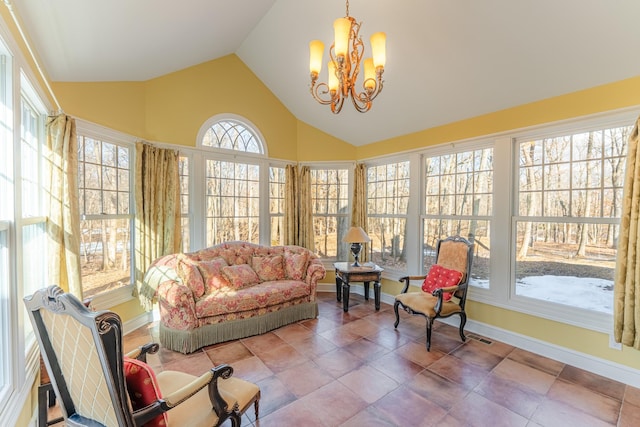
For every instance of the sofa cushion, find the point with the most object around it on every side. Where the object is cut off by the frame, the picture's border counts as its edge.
(190, 275)
(142, 387)
(261, 296)
(240, 276)
(295, 264)
(211, 271)
(237, 254)
(268, 267)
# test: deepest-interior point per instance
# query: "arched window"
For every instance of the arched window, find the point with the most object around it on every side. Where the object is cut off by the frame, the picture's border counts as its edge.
(233, 193)
(232, 134)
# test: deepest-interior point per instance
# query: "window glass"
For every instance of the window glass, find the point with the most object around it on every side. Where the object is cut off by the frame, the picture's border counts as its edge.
(569, 203)
(106, 219)
(458, 201)
(183, 171)
(232, 185)
(387, 208)
(232, 201)
(276, 204)
(5, 320)
(330, 212)
(30, 155)
(232, 135)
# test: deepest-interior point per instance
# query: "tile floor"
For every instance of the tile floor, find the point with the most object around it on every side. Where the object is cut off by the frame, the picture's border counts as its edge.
(355, 369)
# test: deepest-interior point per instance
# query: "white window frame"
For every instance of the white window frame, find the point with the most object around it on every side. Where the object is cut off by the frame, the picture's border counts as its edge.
(597, 321)
(202, 153)
(349, 167)
(464, 147)
(108, 299)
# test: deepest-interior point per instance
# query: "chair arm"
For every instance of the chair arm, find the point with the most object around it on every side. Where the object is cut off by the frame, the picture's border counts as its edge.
(210, 378)
(207, 379)
(141, 352)
(439, 293)
(406, 280)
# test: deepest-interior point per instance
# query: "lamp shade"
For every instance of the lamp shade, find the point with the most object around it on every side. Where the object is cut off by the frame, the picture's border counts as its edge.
(316, 49)
(356, 235)
(341, 28)
(378, 49)
(369, 74)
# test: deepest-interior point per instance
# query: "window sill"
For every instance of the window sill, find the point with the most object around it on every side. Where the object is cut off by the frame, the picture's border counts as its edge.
(109, 299)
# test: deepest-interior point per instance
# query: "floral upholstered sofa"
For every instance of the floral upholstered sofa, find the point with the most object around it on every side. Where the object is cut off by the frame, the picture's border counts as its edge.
(230, 291)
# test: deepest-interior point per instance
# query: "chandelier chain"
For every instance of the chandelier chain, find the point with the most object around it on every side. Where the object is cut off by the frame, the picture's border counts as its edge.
(347, 7)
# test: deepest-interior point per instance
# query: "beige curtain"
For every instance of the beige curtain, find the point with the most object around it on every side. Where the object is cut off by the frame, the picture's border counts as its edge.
(626, 291)
(305, 224)
(290, 205)
(63, 219)
(359, 207)
(157, 229)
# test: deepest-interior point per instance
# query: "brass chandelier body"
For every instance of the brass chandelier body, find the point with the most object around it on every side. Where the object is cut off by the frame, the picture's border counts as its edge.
(344, 67)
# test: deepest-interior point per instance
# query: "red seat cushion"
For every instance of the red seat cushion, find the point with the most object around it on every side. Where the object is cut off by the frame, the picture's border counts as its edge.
(143, 388)
(440, 277)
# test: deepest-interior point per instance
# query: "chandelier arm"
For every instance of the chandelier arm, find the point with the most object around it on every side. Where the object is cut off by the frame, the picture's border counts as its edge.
(336, 105)
(320, 89)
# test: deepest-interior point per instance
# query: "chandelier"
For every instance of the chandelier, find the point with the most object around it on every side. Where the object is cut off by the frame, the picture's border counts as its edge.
(346, 54)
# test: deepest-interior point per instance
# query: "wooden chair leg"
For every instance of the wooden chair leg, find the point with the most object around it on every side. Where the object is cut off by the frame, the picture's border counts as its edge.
(463, 321)
(46, 399)
(395, 310)
(429, 326)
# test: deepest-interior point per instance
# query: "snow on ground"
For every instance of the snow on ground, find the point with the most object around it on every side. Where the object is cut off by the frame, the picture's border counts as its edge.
(580, 292)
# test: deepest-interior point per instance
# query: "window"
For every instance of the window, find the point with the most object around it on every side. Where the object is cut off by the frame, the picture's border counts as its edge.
(183, 172)
(276, 204)
(32, 229)
(330, 210)
(232, 200)
(106, 215)
(567, 215)
(233, 170)
(5, 320)
(458, 201)
(387, 208)
(232, 135)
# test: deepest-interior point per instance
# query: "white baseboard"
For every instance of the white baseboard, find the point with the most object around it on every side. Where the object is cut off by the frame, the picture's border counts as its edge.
(137, 322)
(596, 365)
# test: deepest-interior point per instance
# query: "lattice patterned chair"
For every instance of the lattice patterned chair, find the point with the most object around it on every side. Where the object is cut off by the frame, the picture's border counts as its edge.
(444, 288)
(82, 351)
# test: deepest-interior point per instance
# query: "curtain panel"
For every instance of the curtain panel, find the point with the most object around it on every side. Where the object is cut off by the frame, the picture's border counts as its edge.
(626, 290)
(63, 216)
(290, 205)
(359, 207)
(305, 217)
(157, 220)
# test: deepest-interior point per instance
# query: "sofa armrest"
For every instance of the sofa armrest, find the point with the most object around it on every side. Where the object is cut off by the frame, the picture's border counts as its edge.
(177, 305)
(315, 273)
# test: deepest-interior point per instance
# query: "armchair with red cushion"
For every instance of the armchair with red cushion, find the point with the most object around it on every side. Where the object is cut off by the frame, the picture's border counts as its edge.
(96, 384)
(444, 288)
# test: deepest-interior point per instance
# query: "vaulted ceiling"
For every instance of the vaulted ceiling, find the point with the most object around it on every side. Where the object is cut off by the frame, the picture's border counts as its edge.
(447, 60)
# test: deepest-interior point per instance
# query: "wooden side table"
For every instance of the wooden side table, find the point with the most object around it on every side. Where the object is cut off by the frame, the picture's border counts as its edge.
(366, 273)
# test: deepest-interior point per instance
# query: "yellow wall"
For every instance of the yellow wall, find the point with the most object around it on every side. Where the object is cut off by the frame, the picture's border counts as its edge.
(621, 94)
(172, 108)
(116, 105)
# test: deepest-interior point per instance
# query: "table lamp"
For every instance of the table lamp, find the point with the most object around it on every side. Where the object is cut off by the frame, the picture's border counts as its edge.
(356, 236)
